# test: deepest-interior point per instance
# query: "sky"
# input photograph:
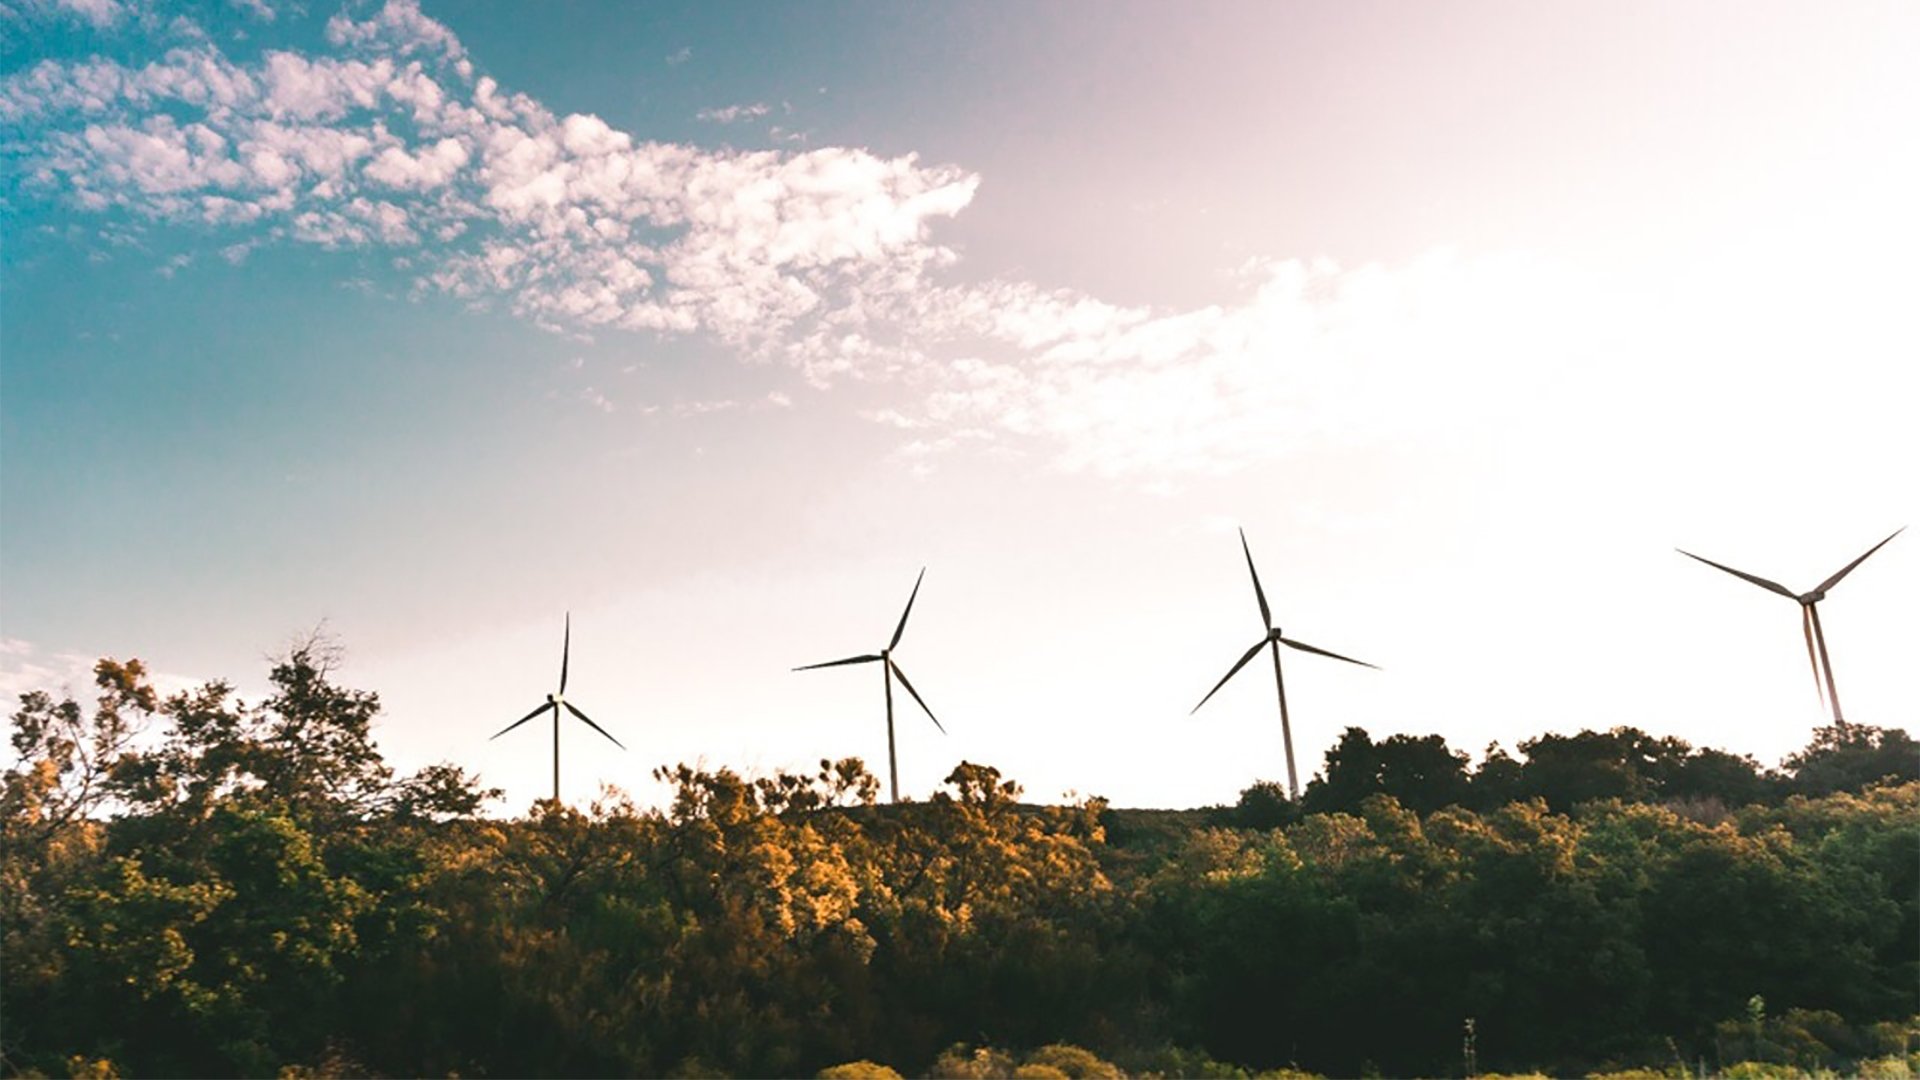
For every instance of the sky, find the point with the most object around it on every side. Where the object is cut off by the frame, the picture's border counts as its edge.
(427, 325)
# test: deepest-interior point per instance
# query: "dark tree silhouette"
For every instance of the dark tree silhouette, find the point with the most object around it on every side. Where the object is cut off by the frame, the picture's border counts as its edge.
(1420, 772)
(1846, 757)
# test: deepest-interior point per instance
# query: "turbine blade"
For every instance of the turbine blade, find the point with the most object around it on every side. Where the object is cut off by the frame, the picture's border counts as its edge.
(589, 722)
(1806, 627)
(1304, 647)
(566, 646)
(1848, 569)
(902, 676)
(1266, 616)
(902, 628)
(1770, 586)
(867, 659)
(544, 706)
(1826, 662)
(1235, 670)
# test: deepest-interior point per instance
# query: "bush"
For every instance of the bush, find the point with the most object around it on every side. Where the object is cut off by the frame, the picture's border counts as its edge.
(1073, 1063)
(1761, 1070)
(858, 1070)
(960, 1062)
(1174, 1063)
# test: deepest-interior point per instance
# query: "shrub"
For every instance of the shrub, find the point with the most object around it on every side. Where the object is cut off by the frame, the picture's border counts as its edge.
(858, 1070)
(1074, 1063)
(960, 1062)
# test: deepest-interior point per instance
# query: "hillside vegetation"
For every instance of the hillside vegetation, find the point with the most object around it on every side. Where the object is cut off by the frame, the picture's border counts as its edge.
(249, 889)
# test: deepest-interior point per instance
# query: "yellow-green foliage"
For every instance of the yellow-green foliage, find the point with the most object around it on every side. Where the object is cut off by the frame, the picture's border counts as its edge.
(858, 1070)
(252, 885)
(1058, 1061)
(1074, 1063)
(1761, 1070)
(961, 1062)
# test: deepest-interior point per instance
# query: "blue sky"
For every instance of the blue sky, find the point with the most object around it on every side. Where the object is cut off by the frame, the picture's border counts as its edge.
(714, 325)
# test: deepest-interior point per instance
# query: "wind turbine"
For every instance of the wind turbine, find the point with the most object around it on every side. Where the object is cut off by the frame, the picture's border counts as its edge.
(1274, 640)
(1809, 615)
(555, 702)
(889, 671)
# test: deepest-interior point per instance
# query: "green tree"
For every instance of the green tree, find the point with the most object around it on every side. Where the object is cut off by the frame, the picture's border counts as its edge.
(1847, 757)
(1420, 772)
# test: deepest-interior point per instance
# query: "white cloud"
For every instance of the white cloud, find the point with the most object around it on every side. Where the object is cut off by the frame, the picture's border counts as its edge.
(568, 220)
(101, 13)
(1306, 355)
(26, 667)
(430, 168)
(734, 113)
(825, 258)
(399, 27)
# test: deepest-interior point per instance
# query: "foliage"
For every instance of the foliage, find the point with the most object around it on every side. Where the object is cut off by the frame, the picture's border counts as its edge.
(202, 886)
(857, 1070)
(1848, 757)
(1422, 774)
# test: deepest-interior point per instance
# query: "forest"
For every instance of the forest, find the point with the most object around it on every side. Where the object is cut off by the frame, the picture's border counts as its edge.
(202, 886)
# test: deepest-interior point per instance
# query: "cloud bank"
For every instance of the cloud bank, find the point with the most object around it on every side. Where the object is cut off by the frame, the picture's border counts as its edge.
(824, 259)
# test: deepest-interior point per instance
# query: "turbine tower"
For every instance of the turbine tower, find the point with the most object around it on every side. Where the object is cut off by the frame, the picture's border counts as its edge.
(554, 703)
(1809, 617)
(1273, 639)
(889, 670)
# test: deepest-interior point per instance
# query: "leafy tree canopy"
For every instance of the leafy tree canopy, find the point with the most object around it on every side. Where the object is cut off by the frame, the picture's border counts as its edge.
(206, 886)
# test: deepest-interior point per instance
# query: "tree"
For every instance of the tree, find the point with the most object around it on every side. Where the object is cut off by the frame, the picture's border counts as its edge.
(1419, 772)
(1497, 781)
(1845, 756)
(1627, 763)
(1566, 770)
(67, 760)
(52, 842)
(1264, 805)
